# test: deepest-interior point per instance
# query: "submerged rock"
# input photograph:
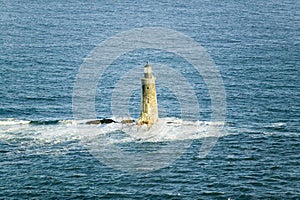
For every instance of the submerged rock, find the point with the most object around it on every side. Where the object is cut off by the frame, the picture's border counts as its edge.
(107, 121)
(101, 121)
(127, 121)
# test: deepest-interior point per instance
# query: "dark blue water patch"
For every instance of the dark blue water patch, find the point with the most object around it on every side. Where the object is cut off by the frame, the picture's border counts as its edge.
(214, 176)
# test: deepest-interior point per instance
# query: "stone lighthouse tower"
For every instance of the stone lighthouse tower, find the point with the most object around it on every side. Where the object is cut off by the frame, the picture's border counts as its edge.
(149, 111)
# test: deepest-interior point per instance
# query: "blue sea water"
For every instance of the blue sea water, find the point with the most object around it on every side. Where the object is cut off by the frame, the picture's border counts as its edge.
(255, 45)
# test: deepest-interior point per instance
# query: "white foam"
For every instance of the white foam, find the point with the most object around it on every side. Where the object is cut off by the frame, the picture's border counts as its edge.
(167, 129)
(171, 129)
(11, 121)
(278, 124)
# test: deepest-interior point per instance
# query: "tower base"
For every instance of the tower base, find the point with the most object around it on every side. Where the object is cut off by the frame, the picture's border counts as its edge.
(144, 119)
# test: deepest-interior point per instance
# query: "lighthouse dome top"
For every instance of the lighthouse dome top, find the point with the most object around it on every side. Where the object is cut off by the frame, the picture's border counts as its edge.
(147, 65)
(148, 71)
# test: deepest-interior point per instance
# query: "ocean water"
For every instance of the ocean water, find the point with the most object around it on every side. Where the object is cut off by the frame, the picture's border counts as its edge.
(45, 153)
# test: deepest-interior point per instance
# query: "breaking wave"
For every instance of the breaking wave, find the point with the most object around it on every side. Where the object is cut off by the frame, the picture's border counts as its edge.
(11, 121)
(56, 131)
(167, 129)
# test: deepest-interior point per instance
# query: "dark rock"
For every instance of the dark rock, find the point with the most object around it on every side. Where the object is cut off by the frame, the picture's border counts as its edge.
(107, 121)
(101, 121)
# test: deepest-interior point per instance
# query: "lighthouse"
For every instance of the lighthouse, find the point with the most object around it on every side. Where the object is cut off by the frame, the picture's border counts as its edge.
(149, 110)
